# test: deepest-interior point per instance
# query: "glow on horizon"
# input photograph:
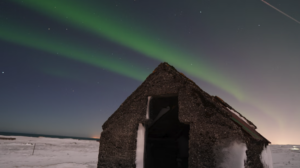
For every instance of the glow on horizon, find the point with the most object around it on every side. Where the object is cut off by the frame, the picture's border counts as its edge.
(96, 137)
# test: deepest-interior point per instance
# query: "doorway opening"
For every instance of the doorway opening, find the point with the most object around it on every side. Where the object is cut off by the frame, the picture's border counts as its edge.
(166, 139)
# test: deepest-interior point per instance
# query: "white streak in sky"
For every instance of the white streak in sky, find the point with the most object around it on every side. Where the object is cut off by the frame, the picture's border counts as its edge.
(280, 11)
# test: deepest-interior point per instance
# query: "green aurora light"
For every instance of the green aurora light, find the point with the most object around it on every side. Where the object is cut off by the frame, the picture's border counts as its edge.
(124, 34)
(68, 50)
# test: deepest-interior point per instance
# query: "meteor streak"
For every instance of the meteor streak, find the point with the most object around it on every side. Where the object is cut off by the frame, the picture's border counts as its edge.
(280, 11)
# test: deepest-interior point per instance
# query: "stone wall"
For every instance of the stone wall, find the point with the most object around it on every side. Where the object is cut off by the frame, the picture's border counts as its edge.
(210, 125)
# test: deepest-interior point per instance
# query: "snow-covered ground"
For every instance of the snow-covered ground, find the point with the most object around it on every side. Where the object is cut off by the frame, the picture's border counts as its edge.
(72, 153)
(285, 156)
(48, 153)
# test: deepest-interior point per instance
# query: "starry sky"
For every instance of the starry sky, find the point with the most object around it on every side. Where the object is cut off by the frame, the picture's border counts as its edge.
(67, 65)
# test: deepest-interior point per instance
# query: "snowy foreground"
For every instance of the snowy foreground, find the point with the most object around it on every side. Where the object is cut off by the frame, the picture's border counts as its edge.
(48, 153)
(285, 156)
(72, 153)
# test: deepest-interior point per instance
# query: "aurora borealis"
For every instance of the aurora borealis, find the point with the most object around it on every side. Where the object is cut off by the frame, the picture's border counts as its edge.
(104, 26)
(36, 40)
(70, 62)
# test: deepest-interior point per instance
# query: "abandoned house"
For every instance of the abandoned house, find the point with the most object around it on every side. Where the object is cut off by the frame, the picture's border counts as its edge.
(169, 122)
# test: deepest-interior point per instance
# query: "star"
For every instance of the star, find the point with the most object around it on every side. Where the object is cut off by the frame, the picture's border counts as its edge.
(2, 72)
(49, 28)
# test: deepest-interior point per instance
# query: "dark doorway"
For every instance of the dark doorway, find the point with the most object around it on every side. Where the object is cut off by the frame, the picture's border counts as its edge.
(166, 140)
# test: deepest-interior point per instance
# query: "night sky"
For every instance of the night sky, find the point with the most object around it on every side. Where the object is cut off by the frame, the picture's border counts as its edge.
(67, 65)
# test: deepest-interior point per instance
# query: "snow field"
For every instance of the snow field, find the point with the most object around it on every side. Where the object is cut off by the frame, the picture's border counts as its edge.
(71, 153)
(48, 153)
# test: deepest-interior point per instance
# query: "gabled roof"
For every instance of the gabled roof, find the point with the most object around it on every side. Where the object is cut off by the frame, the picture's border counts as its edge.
(237, 117)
